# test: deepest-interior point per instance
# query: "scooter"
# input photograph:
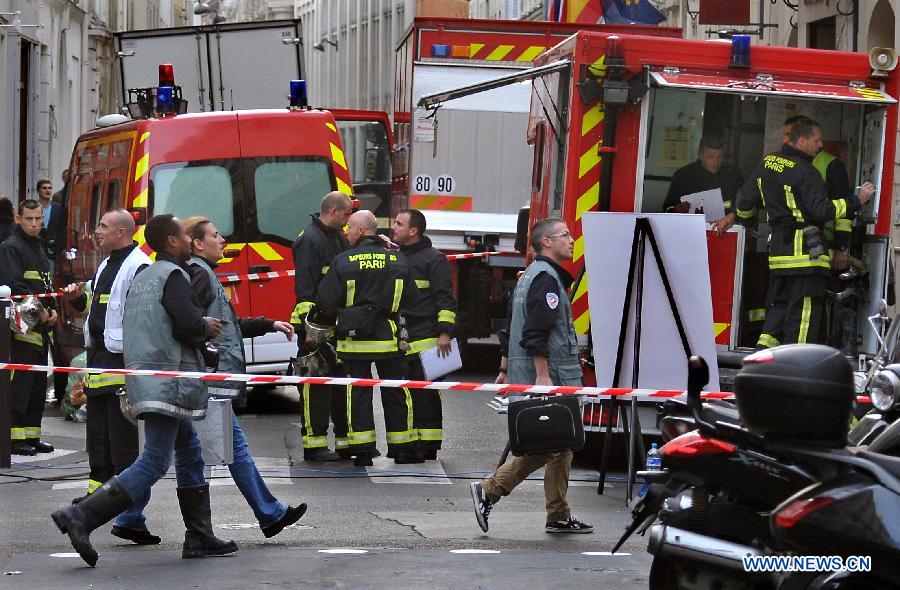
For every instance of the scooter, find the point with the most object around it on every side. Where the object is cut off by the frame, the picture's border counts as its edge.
(854, 516)
(713, 498)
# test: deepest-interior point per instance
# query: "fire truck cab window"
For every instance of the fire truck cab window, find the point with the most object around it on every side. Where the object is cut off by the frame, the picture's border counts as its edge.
(286, 192)
(195, 188)
(367, 150)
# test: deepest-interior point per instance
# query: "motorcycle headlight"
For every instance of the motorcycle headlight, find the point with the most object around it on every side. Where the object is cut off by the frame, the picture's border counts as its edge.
(885, 390)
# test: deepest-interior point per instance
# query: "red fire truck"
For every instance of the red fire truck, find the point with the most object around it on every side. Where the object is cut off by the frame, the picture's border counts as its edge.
(467, 165)
(613, 116)
(255, 173)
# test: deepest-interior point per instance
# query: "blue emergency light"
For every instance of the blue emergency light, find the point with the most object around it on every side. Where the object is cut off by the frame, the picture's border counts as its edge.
(740, 51)
(165, 100)
(298, 93)
(440, 51)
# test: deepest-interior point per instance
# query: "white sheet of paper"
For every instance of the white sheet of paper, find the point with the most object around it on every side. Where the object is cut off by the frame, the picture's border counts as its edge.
(682, 244)
(711, 202)
(436, 366)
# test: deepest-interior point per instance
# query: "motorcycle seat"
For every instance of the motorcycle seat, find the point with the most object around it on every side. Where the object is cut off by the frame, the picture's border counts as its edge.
(886, 462)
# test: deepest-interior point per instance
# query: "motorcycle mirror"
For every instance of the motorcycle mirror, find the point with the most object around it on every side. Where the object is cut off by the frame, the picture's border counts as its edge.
(698, 374)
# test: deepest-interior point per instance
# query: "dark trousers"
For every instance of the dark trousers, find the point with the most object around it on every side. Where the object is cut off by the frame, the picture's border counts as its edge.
(427, 414)
(795, 311)
(318, 404)
(112, 441)
(397, 403)
(29, 393)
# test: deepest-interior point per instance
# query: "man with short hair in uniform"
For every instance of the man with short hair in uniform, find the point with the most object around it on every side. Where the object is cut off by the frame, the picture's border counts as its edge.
(797, 207)
(313, 250)
(708, 172)
(25, 268)
(364, 291)
(542, 349)
(430, 322)
(112, 440)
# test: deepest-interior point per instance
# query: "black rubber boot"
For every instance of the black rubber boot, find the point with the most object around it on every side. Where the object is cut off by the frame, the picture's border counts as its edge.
(78, 520)
(199, 540)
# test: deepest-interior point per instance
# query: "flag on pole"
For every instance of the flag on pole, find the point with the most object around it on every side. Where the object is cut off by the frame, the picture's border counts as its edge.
(631, 12)
(575, 11)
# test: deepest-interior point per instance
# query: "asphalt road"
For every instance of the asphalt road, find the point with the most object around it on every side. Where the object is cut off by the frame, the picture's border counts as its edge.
(385, 526)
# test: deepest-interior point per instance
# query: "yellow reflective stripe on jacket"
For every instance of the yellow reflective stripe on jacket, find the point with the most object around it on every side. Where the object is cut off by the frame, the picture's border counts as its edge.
(401, 437)
(300, 310)
(844, 225)
(418, 346)
(30, 338)
(398, 293)
(17, 433)
(96, 381)
(325, 269)
(767, 341)
(821, 162)
(361, 346)
(840, 208)
(756, 315)
(32, 275)
(104, 298)
(315, 442)
(792, 203)
(798, 242)
(783, 262)
(749, 213)
(445, 316)
(93, 485)
(351, 292)
(32, 431)
(423, 284)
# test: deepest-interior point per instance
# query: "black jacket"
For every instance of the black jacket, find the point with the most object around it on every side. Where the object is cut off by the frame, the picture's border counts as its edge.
(204, 295)
(434, 311)
(363, 292)
(694, 178)
(313, 251)
(55, 232)
(794, 196)
(25, 268)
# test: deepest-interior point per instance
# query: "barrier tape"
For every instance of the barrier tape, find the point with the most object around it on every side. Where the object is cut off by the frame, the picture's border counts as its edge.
(39, 295)
(470, 255)
(252, 379)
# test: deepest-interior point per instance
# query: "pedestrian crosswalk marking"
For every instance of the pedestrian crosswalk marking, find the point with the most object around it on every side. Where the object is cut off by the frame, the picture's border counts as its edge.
(42, 457)
(384, 470)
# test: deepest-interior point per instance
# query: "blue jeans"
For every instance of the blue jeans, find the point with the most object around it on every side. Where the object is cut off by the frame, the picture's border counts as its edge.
(266, 507)
(163, 434)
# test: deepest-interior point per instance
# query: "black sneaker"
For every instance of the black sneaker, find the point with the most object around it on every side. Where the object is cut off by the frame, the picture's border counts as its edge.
(482, 505)
(571, 525)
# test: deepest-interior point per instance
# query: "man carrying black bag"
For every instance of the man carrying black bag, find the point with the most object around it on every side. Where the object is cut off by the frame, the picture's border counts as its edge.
(542, 350)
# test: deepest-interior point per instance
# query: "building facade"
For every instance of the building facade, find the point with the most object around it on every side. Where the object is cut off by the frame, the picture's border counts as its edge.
(57, 75)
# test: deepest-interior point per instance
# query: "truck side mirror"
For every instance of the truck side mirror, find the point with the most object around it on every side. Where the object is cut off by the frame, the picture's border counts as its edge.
(521, 244)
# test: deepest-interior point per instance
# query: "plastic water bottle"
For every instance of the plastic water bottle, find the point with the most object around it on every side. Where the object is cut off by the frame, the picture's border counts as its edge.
(654, 460)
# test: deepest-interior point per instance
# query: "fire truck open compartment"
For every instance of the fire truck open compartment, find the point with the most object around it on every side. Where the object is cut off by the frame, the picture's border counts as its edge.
(676, 116)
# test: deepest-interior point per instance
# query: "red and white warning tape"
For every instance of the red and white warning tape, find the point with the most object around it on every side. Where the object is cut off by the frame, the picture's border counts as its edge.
(344, 381)
(470, 255)
(53, 294)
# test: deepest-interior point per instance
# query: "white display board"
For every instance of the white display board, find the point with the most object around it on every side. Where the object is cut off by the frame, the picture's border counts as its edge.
(682, 242)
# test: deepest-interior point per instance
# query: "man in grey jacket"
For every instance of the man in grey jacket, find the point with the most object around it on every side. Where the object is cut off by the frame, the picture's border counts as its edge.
(542, 350)
(163, 330)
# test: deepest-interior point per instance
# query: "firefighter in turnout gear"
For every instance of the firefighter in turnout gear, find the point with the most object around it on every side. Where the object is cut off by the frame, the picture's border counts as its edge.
(792, 191)
(25, 268)
(112, 440)
(364, 291)
(430, 322)
(313, 251)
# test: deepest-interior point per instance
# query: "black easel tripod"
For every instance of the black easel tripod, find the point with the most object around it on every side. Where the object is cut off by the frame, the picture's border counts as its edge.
(643, 233)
